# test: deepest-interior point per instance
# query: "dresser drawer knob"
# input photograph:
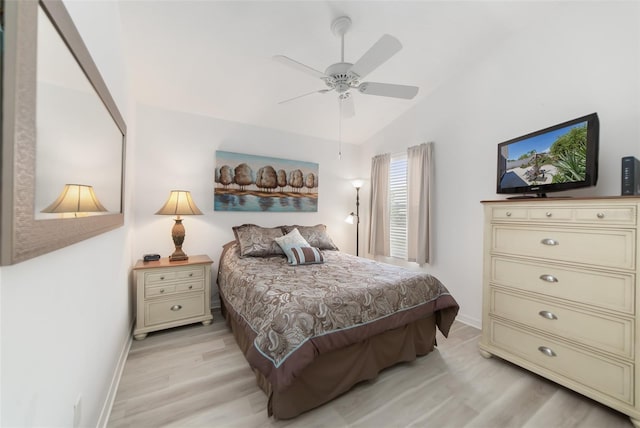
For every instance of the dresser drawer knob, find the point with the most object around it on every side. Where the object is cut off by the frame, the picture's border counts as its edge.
(161, 290)
(176, 307)
(548, 315)
(549, 241)
(191, 274)
(548, 214)
(548, 278)
(191, 287)
(547, 351)
(508, 213)
(161, 278)
(600, 215)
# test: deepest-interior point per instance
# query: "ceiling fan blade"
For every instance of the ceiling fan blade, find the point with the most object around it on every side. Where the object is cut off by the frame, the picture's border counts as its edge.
(380, 52)
(299, 66)
(347, 108)
(321, 91)
(388, 90)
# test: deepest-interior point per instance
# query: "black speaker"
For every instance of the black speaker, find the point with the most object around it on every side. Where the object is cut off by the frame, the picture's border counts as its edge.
(630, 176)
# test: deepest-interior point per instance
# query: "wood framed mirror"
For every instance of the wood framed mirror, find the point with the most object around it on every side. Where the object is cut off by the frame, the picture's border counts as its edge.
(60, 125)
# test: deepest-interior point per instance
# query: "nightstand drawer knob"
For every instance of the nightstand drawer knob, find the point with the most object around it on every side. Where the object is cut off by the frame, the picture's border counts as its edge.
(600, 215)
(191, 287)
(548, 315)
(549, 241)
(548, 214)
(161, 278)
(191, 274)
(176, 307)
(162, 290)
(548, 278)
(508, 213)
(547, 351)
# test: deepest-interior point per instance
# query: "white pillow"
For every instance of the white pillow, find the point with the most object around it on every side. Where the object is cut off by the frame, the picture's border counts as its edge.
(290, 240)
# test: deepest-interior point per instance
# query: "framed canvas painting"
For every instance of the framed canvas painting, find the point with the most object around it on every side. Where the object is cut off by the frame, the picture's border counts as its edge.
(259, 183)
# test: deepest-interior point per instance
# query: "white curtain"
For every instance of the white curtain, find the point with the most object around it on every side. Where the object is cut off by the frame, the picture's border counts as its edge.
(418, 202)
(379, 206)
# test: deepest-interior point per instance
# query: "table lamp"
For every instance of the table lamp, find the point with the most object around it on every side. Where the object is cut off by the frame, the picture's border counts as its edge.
(179, 203)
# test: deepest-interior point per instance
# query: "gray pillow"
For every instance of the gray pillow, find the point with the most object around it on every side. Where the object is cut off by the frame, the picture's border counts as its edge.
(256, 241)
(316, 236)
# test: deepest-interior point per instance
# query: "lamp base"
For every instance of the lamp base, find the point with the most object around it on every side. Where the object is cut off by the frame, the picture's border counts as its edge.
(177, 233)
(178, 256)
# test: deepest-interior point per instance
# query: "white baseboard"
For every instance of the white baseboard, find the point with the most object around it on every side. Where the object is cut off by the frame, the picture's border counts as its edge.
(115, 380)
(473, 322)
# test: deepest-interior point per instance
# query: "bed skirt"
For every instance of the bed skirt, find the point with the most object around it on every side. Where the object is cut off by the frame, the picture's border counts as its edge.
(334, 373)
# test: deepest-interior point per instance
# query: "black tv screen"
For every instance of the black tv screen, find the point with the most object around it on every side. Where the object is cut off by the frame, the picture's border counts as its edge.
(561, 157)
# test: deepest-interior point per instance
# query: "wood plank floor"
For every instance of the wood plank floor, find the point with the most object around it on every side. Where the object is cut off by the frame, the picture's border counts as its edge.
(196, 376)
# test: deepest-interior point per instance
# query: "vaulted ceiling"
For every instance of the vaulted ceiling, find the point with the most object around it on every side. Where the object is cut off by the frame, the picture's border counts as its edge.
(214, 58)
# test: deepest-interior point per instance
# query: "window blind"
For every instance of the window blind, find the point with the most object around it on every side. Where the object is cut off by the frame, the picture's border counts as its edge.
(398, 205)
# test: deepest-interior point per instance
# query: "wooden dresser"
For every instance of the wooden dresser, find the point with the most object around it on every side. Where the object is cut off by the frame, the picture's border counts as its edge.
(170, 294)
(559, 293)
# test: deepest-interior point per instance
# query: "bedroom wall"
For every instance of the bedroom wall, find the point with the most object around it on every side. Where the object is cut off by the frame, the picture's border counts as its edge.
(584, 59)
(65, 316)
(176, 150)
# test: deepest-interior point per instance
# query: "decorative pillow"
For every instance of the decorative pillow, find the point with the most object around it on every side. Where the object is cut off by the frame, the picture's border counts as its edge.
(256, 241)
(304, 255)
(316, 236)
(290, 240)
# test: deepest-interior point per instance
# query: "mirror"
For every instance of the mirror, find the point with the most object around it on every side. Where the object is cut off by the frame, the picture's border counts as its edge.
(60, 125)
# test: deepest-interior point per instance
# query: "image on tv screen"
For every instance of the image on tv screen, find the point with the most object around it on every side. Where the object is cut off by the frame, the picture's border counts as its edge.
(558, 156)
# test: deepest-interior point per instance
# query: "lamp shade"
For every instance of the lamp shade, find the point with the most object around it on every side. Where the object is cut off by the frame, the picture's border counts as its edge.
(357, 183)
(179, 203)
(76, 198)
(350, 218)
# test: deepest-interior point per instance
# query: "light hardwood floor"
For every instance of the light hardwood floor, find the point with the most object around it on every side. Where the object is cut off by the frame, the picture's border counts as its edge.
(196, 376)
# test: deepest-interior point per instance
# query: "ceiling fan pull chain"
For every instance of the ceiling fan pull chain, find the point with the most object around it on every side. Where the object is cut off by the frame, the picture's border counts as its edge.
(340, 128)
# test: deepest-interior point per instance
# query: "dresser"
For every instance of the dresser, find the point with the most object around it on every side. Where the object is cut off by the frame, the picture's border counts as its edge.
(559, 293)
(170, 294)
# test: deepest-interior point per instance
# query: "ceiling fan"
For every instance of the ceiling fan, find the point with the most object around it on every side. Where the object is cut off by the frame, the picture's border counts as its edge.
(343, 77)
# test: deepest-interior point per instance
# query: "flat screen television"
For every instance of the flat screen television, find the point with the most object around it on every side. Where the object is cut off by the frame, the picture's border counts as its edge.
(561, 157)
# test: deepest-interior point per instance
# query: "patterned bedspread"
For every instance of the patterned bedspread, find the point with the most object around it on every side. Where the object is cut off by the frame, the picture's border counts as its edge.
(296, 312)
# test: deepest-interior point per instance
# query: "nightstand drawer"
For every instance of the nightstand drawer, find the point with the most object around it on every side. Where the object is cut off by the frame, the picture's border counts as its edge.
(609, 334)
(185, 287)
(164, 311)
(159, 276)
(607, 376)
(602, 247)
(604, 289)
(159, 291)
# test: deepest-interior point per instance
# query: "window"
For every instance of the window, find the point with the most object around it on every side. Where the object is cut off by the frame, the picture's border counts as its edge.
(398, 205)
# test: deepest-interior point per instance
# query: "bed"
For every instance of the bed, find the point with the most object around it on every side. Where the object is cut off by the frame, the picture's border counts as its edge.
(312, 330)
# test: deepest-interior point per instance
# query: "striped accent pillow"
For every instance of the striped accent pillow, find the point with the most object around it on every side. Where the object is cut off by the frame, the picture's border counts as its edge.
(305, 256)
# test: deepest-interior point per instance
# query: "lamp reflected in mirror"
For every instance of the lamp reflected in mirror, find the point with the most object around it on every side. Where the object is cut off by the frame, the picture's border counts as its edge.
(179, 203)
(76, 200)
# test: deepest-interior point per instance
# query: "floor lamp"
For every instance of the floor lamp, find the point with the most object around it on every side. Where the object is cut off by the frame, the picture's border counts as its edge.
(355, 218)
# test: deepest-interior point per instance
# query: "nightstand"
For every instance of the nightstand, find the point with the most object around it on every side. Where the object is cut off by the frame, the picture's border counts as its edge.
(170, 294)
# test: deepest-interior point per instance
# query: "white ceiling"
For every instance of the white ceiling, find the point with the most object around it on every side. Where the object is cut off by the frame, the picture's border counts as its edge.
(215, 57)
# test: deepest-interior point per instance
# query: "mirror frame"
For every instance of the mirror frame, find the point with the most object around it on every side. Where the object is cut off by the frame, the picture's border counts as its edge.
(22, 236)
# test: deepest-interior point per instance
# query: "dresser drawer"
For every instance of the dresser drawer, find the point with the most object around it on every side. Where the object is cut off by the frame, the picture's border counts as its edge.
(610, 334)
(162, 311)
(604, 289)
(605, 376)
(604, 215)
(159, 276)
(619, 215)
(602, 247)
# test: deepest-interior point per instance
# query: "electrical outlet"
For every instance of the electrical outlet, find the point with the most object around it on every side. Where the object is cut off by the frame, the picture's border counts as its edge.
(77, 412)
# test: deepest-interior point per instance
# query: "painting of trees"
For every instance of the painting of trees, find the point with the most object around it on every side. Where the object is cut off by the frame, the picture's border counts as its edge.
(245, 181)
